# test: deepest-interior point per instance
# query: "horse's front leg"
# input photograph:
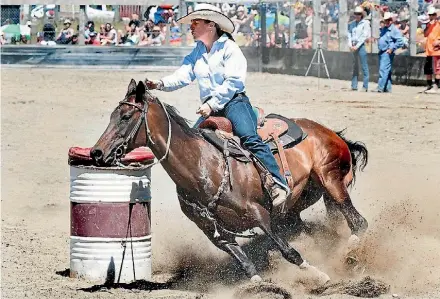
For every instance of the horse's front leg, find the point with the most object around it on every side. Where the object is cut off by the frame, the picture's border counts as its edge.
(262, 219)
(222, 241)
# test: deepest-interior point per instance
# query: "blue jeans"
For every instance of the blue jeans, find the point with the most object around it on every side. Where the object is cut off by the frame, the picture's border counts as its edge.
(385, 70)
(244, 125)
(360, 54)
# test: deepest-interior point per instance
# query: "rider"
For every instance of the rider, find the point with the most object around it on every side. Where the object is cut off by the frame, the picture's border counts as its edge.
(220, 69)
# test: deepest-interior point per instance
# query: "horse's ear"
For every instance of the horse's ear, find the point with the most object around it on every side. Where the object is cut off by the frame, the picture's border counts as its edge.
(131, 87)
(140, 91)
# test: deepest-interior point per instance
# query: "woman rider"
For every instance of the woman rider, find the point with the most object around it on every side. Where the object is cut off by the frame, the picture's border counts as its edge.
(220, 69)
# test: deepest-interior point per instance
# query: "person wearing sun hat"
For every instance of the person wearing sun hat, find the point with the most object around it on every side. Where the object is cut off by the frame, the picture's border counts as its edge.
(432, 51)
(220, 68)
(358, 32)
(390, 40)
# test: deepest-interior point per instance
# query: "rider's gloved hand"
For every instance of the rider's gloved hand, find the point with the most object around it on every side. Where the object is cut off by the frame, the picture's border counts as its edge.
(154, 84)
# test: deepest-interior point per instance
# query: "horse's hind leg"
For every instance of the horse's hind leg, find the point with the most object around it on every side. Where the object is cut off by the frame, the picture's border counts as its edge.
(337, 193)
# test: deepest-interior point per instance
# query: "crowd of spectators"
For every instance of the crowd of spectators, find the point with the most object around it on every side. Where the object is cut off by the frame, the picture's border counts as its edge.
(152, 28)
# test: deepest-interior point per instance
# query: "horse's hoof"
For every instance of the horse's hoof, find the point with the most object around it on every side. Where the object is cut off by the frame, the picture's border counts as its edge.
(353, 243)
(256, 279)
(313, 276)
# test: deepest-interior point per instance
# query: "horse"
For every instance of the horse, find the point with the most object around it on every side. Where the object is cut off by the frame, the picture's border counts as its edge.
(324, 165)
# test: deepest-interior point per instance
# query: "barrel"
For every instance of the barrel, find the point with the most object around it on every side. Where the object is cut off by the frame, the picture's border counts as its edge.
(110, 218)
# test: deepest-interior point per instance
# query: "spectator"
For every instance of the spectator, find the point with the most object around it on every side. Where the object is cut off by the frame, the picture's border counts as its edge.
(332, 10)
(101, 32)
(66, 35)
(145, 32)
(90, 27)
(110, 36)
(48, 35)
(243, 21)
(358, 32)
(131, 38)
(389, 41)
(404, 29)
(93, 39)
(2, 38)
(157, 38)
(433, 50)
(279, 39)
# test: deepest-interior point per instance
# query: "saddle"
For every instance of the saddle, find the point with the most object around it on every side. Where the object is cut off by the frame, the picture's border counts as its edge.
(275, 130)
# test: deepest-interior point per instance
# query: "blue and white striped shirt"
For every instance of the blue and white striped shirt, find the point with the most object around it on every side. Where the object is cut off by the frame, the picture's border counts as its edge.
(221, 73)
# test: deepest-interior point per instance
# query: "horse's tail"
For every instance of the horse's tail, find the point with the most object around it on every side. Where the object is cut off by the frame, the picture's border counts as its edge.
(359, 154)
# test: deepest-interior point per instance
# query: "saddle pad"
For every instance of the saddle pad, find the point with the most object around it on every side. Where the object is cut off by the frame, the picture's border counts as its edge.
(235, 151)
(292, 137)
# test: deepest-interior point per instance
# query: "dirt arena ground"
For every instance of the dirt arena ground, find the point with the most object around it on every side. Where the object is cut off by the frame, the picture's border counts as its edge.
(44, 112)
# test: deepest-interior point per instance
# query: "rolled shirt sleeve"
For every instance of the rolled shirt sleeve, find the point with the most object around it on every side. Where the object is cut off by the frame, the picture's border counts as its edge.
(182, 76)
(234, 77)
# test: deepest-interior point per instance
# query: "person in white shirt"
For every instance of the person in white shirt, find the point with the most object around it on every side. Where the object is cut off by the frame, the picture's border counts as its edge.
(220, 68)
(358, 32)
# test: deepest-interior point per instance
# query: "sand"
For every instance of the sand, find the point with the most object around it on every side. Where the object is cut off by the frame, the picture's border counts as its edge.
(44, 112)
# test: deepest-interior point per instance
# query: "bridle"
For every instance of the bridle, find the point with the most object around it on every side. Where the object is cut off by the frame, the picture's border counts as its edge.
(121, 150)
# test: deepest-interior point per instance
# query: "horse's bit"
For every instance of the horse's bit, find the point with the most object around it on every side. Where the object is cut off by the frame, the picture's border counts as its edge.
(122, 149)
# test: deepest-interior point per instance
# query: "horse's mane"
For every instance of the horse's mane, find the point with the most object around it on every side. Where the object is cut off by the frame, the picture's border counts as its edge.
(173, 114)
(181, 121)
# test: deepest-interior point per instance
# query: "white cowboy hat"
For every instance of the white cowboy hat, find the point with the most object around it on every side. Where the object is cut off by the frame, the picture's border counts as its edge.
(209, 12)
(432, 10)
(388, 16)
(359, 9)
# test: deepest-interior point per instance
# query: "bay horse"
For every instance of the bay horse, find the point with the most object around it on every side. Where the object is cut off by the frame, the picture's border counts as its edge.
(323, 164)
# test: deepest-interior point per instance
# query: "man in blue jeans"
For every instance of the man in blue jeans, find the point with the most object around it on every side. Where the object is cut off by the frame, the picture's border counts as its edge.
(390, 40)
(358, 32)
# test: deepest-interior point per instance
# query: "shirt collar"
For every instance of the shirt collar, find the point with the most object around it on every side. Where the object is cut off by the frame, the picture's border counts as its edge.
(222, 39)
(220, 42)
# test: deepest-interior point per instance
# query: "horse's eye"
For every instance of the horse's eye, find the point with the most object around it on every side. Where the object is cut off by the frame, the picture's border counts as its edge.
(126, 117)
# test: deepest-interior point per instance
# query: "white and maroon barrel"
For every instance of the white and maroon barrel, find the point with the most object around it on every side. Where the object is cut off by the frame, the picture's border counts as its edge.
(110, 218)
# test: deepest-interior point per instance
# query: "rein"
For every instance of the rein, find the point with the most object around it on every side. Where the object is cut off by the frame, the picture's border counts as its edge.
(122, 149)
(204, 212)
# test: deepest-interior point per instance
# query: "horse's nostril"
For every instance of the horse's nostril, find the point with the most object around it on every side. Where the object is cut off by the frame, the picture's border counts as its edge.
(96, 154)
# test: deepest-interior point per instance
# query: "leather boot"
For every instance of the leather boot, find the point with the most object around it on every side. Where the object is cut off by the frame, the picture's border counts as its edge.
(279, 198)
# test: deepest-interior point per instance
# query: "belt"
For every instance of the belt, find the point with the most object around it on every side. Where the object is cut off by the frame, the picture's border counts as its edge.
(235, 96)
(243, 94)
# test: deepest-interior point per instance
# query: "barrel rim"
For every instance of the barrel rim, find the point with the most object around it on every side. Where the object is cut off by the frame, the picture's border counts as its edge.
(101, 239)
(132, 166)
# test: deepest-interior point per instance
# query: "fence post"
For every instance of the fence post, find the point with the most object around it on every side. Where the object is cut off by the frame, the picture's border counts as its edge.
(23, 16)
(343, 26)
(56, 12)
(117, 13)
(263, 25)
(413, 28)
(292, 23)
(45, 15)
(167, 36)
(263, 39)
(375, 26)
(82, 24)
(183, 27)
(316, 30)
